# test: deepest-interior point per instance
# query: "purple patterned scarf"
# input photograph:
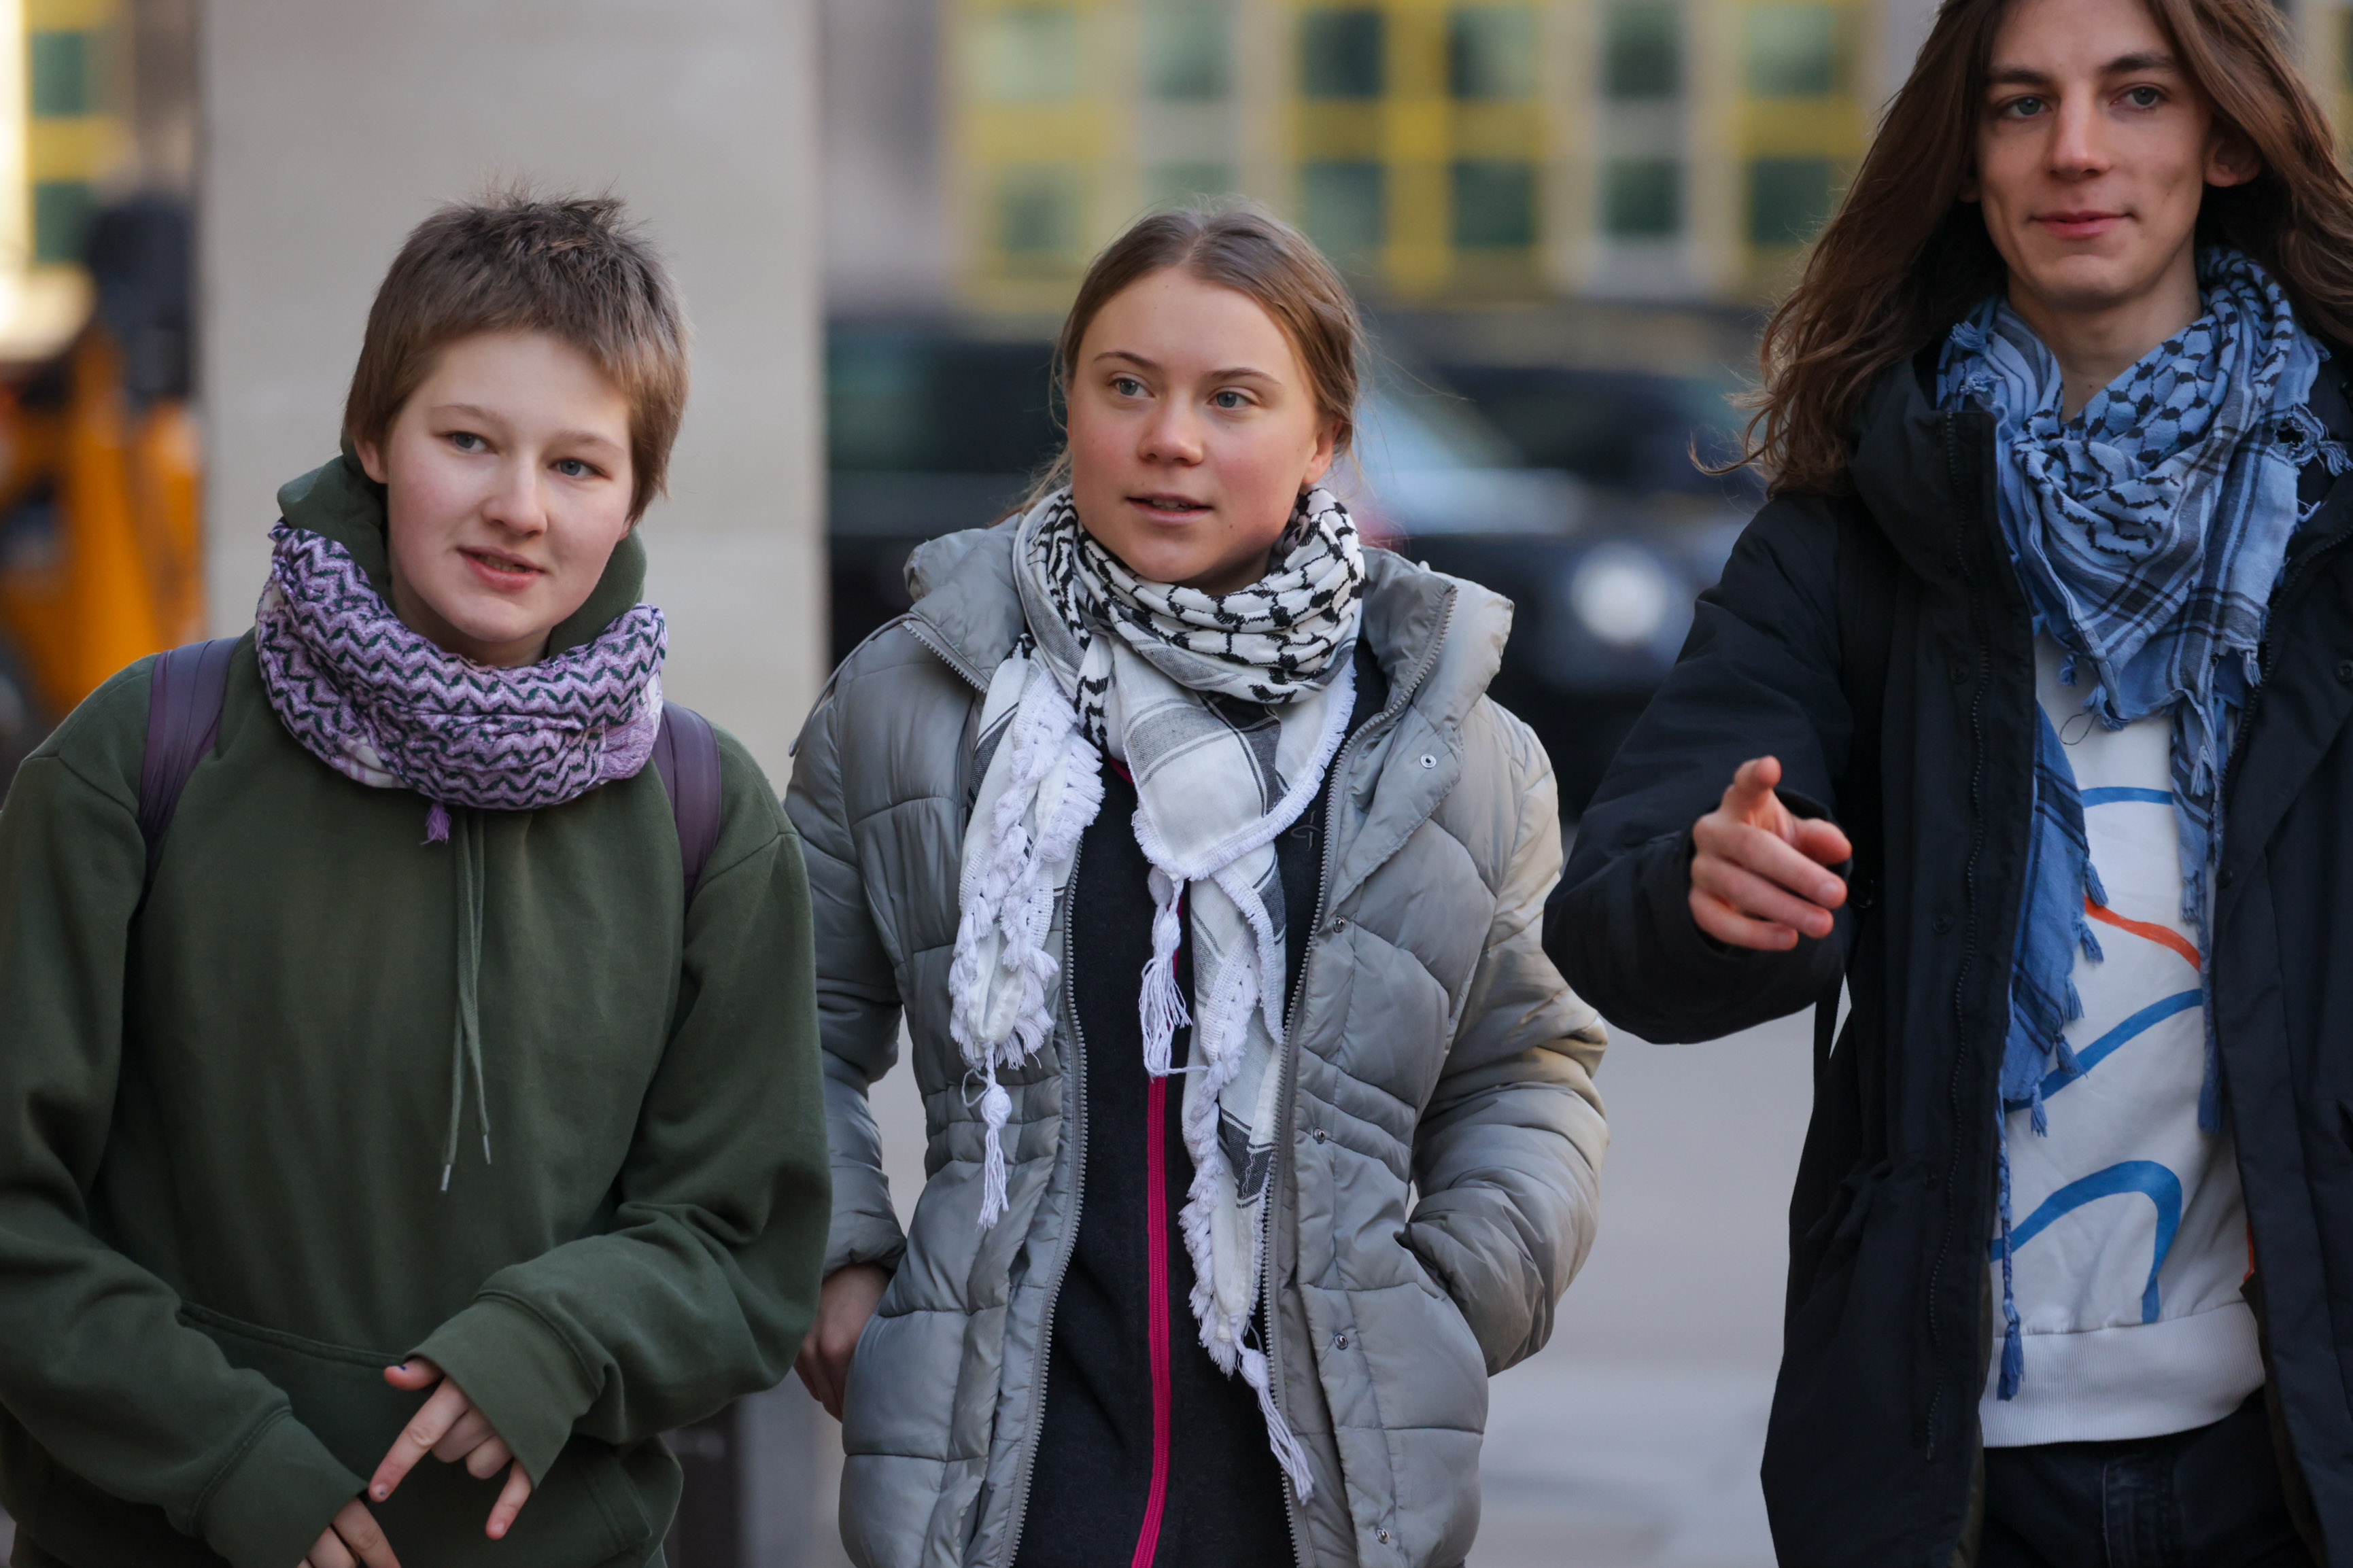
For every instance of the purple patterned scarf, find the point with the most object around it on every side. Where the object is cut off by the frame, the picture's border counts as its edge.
(383, 704)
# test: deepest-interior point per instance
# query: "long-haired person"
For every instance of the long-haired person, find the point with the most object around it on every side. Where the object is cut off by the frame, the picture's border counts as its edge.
(1208, 881)
(2046, 625)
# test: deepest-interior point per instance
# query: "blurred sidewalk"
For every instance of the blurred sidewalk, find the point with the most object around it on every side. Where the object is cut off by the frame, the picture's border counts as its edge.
(1632, 1440)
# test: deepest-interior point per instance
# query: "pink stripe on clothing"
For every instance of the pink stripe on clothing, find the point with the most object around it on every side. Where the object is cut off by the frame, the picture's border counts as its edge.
(1155, 1223)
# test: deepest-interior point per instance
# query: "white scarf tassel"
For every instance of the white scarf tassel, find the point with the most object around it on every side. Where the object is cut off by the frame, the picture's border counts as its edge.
(996, 1107)
(1162, 1004)
(1288, 1451)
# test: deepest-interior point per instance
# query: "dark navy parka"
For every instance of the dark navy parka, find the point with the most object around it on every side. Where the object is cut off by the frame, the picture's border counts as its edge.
(1872, 1453)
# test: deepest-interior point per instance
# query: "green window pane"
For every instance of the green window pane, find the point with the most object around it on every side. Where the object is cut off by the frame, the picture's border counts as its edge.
(874, 403)
(1028, 56)
(64, 83)
(1171, 184)
(1494, 204)
(1788, 199)
(1340, 54)
(1641, 50)
(1185, 51)
(61, 210)
(1341, 208)
(1038, 213)
(1793, 51)
(1491, 51)
(1643, 198)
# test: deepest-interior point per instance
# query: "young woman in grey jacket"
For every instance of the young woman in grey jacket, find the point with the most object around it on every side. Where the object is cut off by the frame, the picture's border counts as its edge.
(1180, 828)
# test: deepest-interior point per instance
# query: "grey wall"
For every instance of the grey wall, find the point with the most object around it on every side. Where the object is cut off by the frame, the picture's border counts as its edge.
(885, 222)
(330, 129)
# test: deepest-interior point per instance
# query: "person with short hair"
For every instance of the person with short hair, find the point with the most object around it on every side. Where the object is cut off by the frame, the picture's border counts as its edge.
(419, 1072)
(2019, 712)
(1177, 825)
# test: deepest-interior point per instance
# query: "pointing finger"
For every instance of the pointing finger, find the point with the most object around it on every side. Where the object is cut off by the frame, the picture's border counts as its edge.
(1751, 783)
(426, 1427)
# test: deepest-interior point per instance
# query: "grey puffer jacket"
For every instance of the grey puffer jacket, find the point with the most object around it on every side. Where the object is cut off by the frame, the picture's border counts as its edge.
(1434, 1048)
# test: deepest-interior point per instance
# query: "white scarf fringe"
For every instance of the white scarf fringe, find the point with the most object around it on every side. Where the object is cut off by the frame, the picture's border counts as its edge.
(1006, 907)
(1040, 793)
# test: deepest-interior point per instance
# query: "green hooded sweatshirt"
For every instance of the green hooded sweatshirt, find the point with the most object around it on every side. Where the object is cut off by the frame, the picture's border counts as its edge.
(223, 1115)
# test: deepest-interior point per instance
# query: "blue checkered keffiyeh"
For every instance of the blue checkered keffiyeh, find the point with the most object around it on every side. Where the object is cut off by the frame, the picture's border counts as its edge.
(2147, 532)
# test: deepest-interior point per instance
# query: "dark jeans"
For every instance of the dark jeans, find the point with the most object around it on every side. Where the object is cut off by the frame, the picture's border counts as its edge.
(2208, 1498)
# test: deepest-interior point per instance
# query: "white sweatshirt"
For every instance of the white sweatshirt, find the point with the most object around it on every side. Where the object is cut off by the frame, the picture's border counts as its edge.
(2128, 1232)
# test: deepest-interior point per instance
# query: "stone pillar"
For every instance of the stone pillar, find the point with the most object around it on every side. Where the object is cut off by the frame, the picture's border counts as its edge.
(330, 130)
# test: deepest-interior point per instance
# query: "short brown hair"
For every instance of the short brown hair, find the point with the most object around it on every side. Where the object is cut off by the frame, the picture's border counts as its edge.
(571, 267)
(1242, 247)
(1905, 256)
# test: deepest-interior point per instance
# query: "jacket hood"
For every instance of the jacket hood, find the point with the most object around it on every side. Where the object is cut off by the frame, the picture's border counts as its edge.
(1418, 622)
(338, 501)
(1916, 466)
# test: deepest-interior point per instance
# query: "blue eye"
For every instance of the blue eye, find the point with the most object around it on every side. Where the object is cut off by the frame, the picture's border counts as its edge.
(467, 441)
(2145, 97)
(572, 468)
(1228, 399)
(1127, 386)
(2022, 108)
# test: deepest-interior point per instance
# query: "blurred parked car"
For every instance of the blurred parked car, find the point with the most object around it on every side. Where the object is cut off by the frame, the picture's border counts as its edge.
(1602, 588)
(931, 431)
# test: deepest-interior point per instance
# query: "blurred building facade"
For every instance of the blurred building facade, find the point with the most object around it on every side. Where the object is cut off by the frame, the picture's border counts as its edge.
(1449, 152)
(1487, 152)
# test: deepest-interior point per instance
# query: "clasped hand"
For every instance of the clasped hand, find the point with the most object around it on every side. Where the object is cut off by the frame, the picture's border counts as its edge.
(1759, 876)
(452, 1430)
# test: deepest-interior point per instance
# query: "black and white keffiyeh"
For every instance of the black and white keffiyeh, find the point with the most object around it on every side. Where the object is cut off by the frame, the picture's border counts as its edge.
(1226, 709)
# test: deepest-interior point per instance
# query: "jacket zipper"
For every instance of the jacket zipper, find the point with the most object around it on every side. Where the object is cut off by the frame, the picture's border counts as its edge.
(1155, 1249)
(1961, 977)
(921, 630)
(1074, 1115)
(1287, 1097)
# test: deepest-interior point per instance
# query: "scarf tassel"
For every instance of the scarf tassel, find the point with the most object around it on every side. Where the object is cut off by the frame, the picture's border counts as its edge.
(1288, 1451)
(2095, 895)
(996, 1109)
(1162, 1004)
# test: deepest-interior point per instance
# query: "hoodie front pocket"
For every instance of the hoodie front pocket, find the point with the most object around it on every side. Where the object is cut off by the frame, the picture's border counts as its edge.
(588, 1512)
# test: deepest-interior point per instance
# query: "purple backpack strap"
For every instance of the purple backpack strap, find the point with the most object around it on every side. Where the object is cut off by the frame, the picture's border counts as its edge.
(686, 755)
(183, 713)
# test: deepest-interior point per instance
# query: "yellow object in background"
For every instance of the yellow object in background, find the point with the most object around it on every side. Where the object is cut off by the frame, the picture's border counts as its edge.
(100, 552)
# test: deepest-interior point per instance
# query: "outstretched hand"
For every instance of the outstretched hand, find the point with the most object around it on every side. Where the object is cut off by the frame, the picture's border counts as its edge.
(1759, 873)
(448, 1427)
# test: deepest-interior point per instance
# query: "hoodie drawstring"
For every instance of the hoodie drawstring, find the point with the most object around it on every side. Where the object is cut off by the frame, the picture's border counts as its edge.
(466, 1046)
